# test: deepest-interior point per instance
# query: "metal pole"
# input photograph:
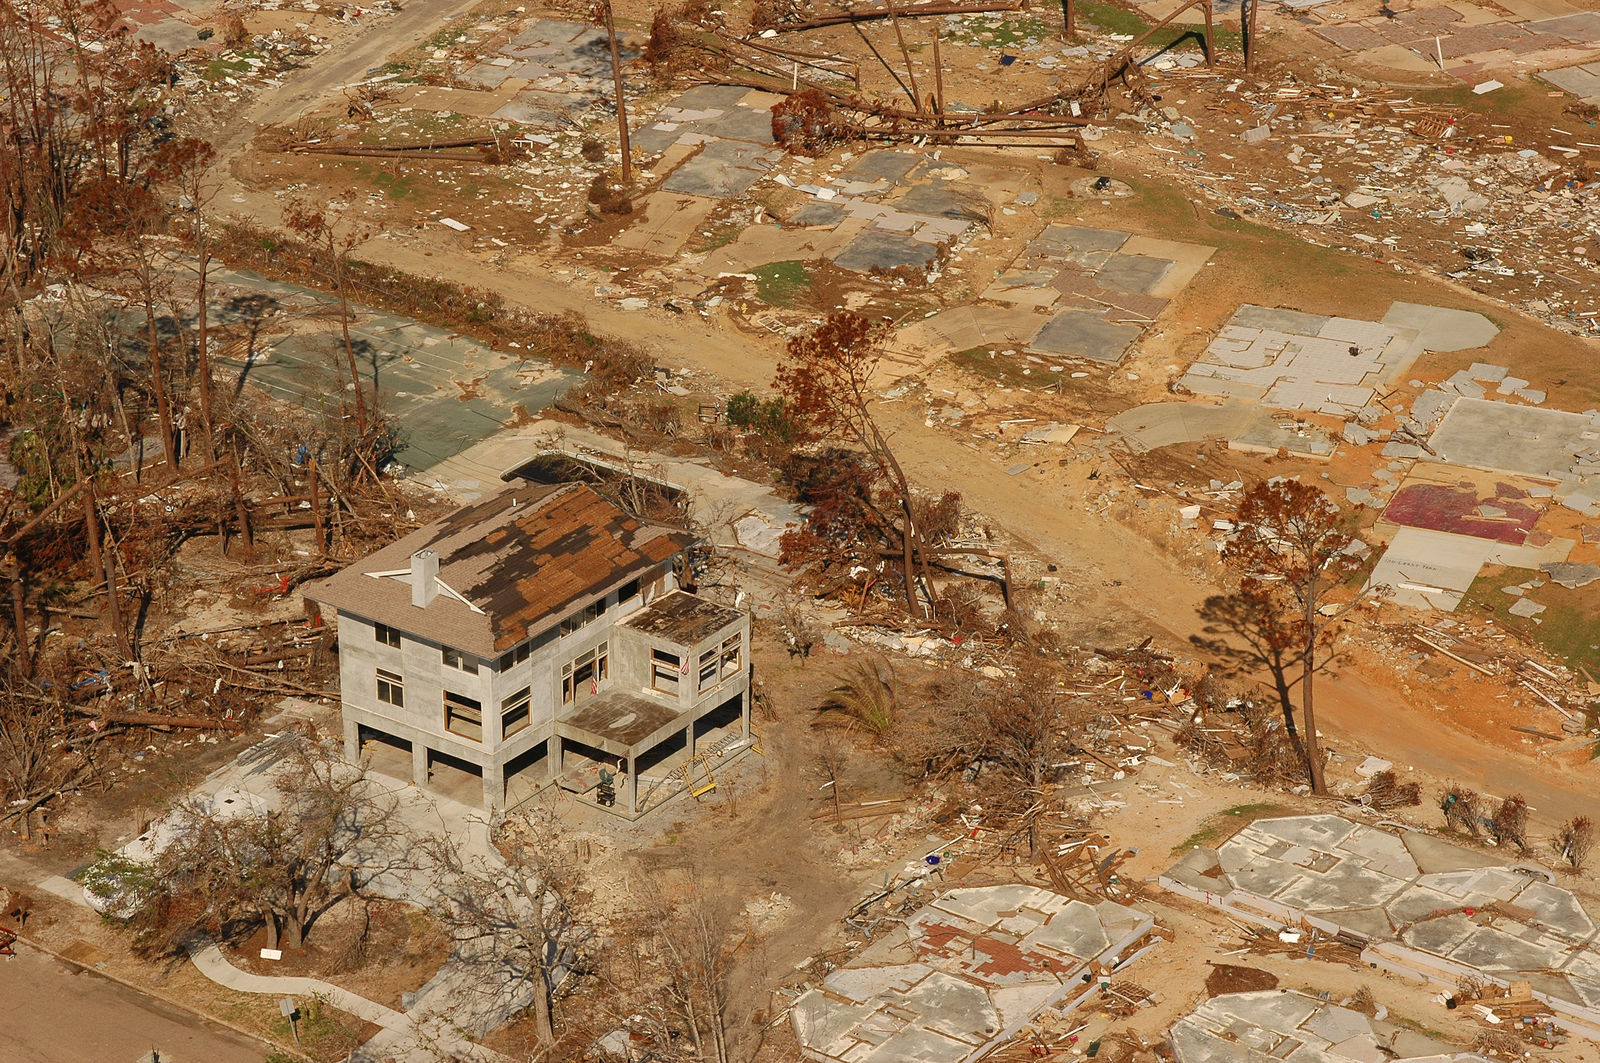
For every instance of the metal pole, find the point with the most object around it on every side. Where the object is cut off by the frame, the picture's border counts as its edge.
(938, 75)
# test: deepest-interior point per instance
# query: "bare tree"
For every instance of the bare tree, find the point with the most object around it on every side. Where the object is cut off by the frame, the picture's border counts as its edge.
(695, 937)
(187, 163)
(1017, 731)
(832, 757)
(1291, 552)
(519, 912)
(321, 226)
(1023, 724)
(331, 831)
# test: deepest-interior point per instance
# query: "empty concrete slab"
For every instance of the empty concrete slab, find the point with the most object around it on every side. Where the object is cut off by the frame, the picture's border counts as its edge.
(1583, 80)
(1328, 875)
(960, 328)
(962, 974)
(880, 252)
(942, 200)
(541, 110)
(1133, 273)
(1501, 437)
(1276, 320)
(1162, 424)
(1298, 361)
(1580, 28)
(1429, 569)
(170, 35)
(1442, 329)
(705, 109)
(889, 165)
(1266, 1024)
(1187, 261)
(1085, 334)
(741, 123)
(664, 223)
(1269, 433)
(446, 391)
(723, 169)
(817, 212)
(1085, 248)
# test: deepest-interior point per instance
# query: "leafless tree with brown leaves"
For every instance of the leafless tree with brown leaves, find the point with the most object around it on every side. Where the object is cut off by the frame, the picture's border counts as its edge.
(1290, 553)
(696, 938)
(521, 915)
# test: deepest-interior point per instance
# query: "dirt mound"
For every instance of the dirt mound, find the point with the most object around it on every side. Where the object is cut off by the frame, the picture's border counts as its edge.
(1226, 978)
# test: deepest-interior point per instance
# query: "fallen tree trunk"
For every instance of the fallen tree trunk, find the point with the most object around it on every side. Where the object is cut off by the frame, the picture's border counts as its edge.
(909, 12)
(151, 719)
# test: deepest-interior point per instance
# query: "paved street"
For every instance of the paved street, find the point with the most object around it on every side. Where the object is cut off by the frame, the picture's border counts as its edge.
(53, 1012)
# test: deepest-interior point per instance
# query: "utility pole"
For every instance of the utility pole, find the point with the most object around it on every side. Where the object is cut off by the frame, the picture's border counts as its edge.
(603, 9)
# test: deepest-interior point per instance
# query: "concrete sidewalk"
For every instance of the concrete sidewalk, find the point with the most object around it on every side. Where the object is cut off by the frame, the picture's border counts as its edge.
(208, 959)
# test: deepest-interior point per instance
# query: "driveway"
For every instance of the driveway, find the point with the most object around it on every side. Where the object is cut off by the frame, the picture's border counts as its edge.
(53, 1012)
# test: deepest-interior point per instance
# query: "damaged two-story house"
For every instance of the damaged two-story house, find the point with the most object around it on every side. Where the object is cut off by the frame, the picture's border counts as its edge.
(537, 637)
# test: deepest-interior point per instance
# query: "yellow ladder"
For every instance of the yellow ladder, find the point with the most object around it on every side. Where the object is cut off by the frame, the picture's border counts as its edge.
(703, 786)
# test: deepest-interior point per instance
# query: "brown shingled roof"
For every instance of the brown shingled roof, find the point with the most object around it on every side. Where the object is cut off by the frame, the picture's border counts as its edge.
(526, 557)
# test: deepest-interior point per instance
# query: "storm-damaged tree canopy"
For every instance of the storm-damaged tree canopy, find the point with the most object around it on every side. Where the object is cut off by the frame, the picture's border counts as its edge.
(1292, 550)
(868, 526)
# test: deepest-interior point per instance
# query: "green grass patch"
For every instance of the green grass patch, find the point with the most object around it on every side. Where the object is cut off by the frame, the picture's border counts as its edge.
(1053, 207)
(446, 37)
(780, 283)
(1007, 370)
(1117, 20)
(393, 187)
(1000, 31)
(218, 69)
(1112, 19)
(1570, 623)
(1226, 824)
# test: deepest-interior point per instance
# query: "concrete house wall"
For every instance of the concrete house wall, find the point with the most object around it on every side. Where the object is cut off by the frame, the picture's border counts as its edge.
(426, 679)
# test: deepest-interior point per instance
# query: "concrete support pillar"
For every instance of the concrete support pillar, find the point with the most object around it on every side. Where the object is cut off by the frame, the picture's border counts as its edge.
(744, 713)
(419, 764)
(352, 741)
(633, 786)
(494, 785)
(552, 762)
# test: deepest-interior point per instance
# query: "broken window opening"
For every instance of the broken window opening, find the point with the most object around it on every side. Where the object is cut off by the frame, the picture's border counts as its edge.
(463, 716)
(514, 714)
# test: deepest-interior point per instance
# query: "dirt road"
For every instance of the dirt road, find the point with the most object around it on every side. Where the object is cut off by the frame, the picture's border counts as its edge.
(355, 53)
(58, 1013)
